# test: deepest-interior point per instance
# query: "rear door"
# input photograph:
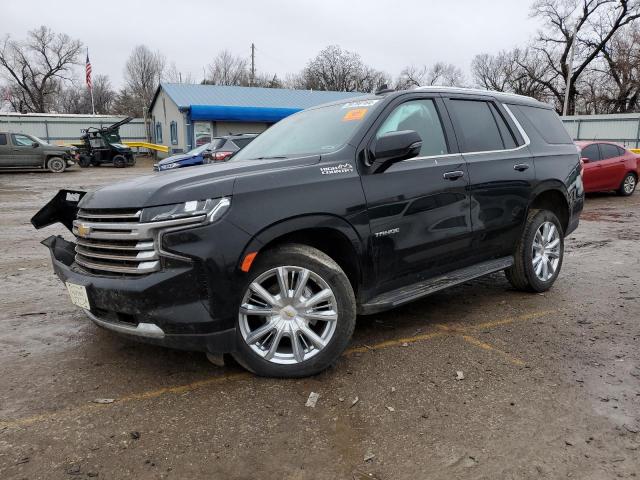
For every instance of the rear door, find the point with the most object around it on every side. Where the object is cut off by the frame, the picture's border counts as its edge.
(612, 166)
(418, 208)
(24, 153)
(501, 173)
(6, 155)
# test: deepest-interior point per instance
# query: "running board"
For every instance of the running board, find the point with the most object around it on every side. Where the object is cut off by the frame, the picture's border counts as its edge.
(413, 292)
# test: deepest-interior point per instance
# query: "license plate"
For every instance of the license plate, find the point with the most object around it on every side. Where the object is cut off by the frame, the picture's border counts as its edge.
(78, 294)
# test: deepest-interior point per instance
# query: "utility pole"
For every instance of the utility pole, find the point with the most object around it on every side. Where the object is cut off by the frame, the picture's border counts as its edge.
(253, 64)
(565, 107)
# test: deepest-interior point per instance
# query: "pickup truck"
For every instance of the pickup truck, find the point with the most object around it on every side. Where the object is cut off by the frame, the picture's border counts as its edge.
(345, 209)
(19, 150)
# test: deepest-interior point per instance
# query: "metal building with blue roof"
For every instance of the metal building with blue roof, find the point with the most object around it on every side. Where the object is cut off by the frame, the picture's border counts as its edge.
(184, 116)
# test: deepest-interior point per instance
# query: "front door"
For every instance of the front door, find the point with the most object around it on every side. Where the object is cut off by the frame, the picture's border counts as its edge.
(592, 177)
(501, 172)
(418, 208)
(24, 152)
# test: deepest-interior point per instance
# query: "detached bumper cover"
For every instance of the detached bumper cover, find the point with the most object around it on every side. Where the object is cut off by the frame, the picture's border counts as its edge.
(164, 308)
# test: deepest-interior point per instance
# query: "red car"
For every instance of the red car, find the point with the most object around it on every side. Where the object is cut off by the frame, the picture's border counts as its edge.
(608, 166)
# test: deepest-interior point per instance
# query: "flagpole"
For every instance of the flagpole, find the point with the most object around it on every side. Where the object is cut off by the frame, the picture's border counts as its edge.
(93, 106)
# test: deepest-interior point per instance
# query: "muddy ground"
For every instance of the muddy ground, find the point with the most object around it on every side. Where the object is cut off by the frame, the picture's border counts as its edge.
(551, 384)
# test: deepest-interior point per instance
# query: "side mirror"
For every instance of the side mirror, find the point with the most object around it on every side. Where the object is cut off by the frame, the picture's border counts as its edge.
(393, 147)
(35, 144)
(585, 159)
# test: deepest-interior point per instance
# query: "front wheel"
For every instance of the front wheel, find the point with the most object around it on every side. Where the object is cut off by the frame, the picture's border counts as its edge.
(56, 165)
(119, 161)
(628, 185)
(296, 315)
(539, 253)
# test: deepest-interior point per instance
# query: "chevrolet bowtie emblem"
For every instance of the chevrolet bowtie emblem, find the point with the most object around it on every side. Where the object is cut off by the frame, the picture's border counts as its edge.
(83, 230)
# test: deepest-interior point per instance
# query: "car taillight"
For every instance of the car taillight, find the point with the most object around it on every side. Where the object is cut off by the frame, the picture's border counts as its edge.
(221, 156)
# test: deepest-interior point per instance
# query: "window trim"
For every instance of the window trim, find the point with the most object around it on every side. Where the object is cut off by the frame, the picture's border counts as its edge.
(445, 122)
(173, 126)
(523, 133)
(159, 129)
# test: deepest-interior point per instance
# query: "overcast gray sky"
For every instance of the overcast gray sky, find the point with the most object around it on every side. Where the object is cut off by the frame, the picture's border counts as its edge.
(287, 33)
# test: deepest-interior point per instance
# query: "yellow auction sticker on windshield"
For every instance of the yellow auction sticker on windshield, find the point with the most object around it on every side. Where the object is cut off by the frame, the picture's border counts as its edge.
(355, 114)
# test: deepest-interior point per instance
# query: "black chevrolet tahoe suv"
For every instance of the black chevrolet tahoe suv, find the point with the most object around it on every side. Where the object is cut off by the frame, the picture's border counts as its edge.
(348, 208)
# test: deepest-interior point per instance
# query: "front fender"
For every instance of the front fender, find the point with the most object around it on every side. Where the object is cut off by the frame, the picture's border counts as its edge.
(304, 222)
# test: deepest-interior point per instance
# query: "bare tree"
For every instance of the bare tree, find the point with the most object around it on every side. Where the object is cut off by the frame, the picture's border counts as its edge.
(596, 23)
(340, 70)
(514, 71)
(77, 98)
(142, 74)
(173, 75)
(37, 68)
(228, 69)
(440, 73)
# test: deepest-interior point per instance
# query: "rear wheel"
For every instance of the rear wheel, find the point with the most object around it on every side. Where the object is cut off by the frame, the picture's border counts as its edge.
(84, 161)
(56, 165)
(628, 185)
(539, 253)
(119, 161)
(296, 315)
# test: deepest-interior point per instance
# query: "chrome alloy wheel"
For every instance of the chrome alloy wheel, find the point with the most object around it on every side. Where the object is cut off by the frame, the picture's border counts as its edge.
(546, 251)
(288, 315)
(629, 184)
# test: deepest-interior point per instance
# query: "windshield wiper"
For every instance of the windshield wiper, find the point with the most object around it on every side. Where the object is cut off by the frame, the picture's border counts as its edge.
(274, 157)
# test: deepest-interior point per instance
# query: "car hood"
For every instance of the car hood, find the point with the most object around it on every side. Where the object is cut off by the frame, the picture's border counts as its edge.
(183, 185)
(176, 158)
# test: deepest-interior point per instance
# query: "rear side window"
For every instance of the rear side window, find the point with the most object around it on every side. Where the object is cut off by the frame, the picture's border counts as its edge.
(547, 123)
(3, 138)
(480, 132)
(505, 132)
(608, 151)
(591, 152)
(621, 151)
(242, 142)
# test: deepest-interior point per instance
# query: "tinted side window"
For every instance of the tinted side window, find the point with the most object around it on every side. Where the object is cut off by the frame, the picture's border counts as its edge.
(505, 132)
(621, 151)
(591, 152)
(480, 132)
(3, 138)
(548, 124)
(422, 117)
(608, 151)
(242, 142)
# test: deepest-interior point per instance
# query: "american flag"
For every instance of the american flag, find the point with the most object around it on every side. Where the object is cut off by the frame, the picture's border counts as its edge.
(88, 72)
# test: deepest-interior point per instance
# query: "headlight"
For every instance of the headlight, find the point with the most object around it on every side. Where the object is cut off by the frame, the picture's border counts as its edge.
(169, 166)
(213, 208)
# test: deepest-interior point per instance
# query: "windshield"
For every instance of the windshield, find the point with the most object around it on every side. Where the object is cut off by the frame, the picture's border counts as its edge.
(314, 131)
(113, 138)
(39, 140)
(211, 146)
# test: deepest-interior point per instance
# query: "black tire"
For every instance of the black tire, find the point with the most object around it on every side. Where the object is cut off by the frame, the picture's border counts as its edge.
(320, 264)
(56, 164)
(119, 161)
(628, 185)
(132, 162)
(84, 161)
(522, 275)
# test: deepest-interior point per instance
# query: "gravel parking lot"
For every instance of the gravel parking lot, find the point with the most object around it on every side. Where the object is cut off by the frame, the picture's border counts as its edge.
(549, 384)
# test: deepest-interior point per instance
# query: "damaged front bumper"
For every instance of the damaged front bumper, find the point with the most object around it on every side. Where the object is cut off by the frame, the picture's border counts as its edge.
(164, 308)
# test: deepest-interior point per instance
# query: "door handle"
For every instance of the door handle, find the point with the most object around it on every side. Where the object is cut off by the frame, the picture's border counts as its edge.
(521, 167)
(453, 175)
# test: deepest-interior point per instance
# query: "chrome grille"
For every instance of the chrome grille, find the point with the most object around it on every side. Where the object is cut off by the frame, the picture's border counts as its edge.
(113, 241)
